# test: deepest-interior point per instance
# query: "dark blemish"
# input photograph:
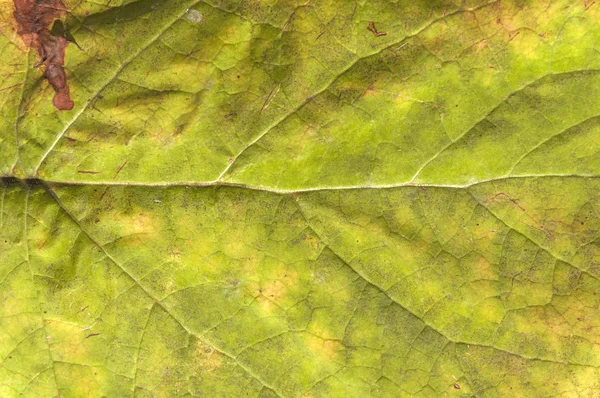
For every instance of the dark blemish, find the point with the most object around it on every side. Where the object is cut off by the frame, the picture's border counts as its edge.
(28, 182)
(120, 168)
(11, 87)
(318, 37)
(456, 386)
(97, 220)
(34, 18)
(513, 36)
(270, 97)
(371, 28)
(538, 226)
(586, 5)
(43, 244)
(88, 172)
(104, 193)
(92, 335)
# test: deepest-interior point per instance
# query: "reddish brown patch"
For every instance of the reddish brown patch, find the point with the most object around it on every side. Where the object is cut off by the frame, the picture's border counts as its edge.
(34, 18)
(371, 28)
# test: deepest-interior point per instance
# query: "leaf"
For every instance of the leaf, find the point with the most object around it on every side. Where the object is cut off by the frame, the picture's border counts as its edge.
(276, 199)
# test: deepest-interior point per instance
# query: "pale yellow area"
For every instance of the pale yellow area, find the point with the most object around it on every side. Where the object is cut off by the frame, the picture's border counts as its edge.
(138, 222)
(206, 358)
(483, 269)
(328, 350)
(144, 223)
(67, 341)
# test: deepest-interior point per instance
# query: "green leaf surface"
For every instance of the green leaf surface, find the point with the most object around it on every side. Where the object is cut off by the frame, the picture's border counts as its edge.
(303, 199)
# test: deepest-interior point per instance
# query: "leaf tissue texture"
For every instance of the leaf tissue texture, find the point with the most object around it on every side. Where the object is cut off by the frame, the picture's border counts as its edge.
(282, 198)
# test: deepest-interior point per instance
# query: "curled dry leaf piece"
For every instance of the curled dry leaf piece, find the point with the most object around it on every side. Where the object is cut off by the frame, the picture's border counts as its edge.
(34, 19)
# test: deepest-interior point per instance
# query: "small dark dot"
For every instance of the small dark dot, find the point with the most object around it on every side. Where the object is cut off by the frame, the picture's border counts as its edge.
(457, 386)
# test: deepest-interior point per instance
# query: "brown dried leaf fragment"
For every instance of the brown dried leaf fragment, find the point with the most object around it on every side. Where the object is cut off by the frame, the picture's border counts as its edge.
(34, 19)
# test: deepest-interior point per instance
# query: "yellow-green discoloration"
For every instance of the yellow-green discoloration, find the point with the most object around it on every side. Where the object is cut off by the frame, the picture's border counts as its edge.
(262, 198)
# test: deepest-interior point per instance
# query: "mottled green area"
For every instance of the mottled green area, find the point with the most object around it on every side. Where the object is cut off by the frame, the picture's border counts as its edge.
(229, 291)
(264, 198)
(294, 95)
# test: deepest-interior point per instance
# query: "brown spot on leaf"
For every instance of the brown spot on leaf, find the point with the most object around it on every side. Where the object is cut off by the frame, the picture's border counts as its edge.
(34, 19)
(371, 28)
(88, 172)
